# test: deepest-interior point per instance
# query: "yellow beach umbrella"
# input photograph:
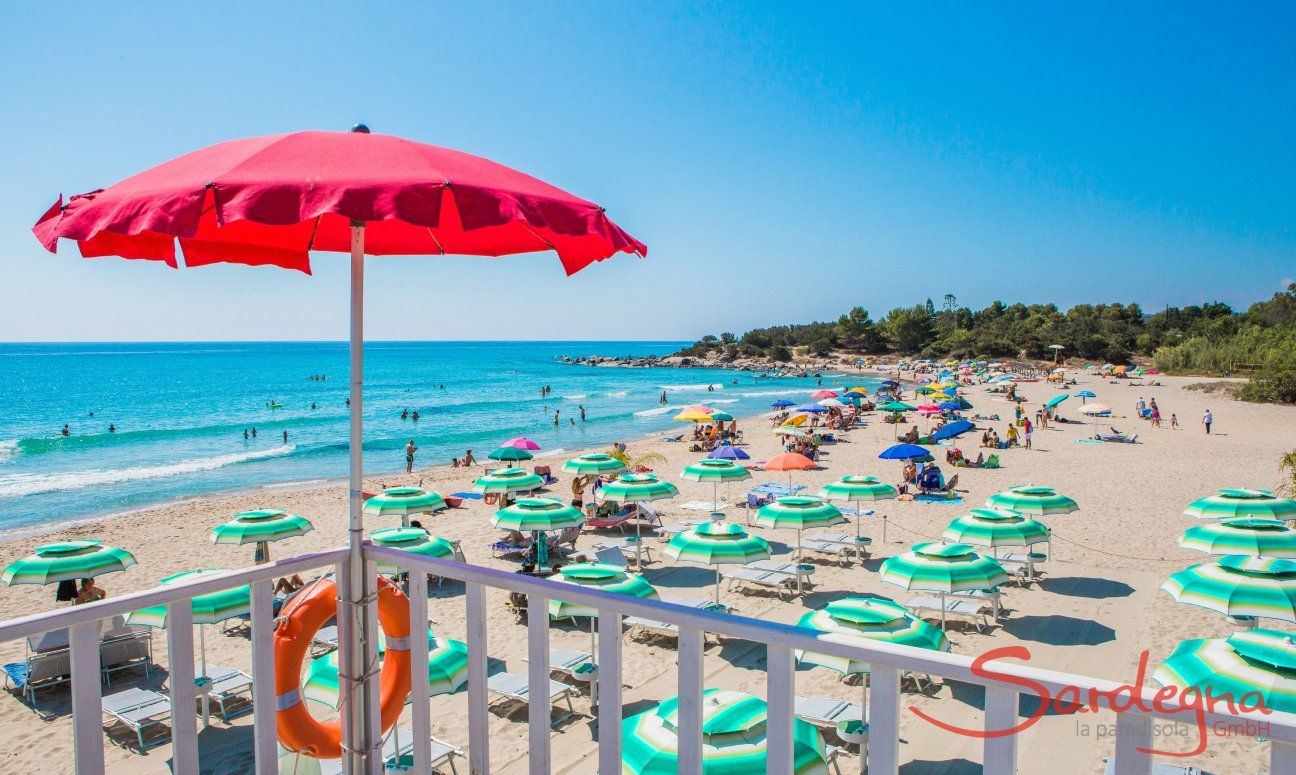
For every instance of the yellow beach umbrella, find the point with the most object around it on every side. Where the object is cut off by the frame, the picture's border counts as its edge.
(693, 415)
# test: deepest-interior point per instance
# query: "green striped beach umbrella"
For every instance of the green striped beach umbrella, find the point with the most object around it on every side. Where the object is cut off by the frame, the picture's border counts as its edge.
(798, 512)
(1239, 586)
(260, 527)
(507, 481)
(535, 516)
(1255, 536)
(447, 670)
(715, 471)
(942, 568)
(594, 463)
(859, 489)
(1259, 660)
(733, 738)
(600, 576)
(994, 528)
(413, 540)
(1032, 501)
(207, 609)
(1240, 502)
(638, 488)
(896, 406)
(868, 618)
(67, 561)
(717, 543)
(403, 501)
(510, 455)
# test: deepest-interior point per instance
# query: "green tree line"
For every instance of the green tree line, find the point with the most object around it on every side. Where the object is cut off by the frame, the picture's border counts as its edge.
(1212, 339)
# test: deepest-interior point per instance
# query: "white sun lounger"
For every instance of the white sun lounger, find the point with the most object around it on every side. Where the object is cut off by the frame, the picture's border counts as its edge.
(400, 743)
(604, 553)
(325, 640)
(781, 582)
(139, 709)
(951, 606)
(577, 664)
(847, 719)
(842, 552)
(666, 628)
(227, 684)
(518, 687)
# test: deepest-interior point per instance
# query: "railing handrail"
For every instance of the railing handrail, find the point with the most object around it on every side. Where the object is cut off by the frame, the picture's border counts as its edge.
(35, 624)
(905, 658)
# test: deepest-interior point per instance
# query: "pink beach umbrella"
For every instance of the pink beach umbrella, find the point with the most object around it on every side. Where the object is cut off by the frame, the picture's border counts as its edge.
(521, 442)
(823, 394)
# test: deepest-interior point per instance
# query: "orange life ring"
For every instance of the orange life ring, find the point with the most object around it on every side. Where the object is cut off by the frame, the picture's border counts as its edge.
(490, 499)
(305, 614)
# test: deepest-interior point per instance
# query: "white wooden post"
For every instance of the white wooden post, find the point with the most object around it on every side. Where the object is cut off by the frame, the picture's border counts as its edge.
(421, 716)
(690, 700)
(478, 713)
(265, 735)
(884, 720)
(87, 702)
(1000, 713)
(539, 711)
(1133, 731)
(780, 690)
(609, 692)
(180, 656)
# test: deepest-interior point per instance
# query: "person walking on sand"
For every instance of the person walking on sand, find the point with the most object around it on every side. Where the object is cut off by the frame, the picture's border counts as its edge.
(1026, 430)
(410, 449)
(1207, 419)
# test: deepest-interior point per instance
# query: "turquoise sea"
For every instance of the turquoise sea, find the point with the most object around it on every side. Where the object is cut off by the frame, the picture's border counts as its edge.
(180, 411)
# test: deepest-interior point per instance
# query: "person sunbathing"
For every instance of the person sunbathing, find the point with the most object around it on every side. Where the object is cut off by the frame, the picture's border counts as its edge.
(289, 585)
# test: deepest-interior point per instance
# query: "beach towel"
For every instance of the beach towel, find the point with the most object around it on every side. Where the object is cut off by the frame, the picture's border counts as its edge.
(473, 495)
(936, 499)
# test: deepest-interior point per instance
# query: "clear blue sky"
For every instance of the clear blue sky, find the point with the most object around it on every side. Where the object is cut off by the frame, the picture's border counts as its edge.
(783, 162)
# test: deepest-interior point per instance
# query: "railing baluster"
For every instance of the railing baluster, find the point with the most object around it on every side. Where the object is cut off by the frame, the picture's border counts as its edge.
(1000, 713)
(690, 700)
(1282, 756)
(608, 676)
(346, 632)
(538, 707)
(1133, 731)
(180, 657)
(478, 714)
(374, 715)
(264, 704)
(884, 720)
(87, 702)
(781, 688)
(421, 716)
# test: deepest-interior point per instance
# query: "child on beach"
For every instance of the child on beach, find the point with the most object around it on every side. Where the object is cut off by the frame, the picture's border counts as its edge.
(1174, 422)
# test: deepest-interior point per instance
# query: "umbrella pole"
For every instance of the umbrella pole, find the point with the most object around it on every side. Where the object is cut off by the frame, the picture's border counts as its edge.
(942, 611)
(717, 570)
(857, 532)
(638, 541)
(359, 694)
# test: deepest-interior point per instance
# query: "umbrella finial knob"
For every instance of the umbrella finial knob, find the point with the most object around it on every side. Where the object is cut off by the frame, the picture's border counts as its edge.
(360, 129)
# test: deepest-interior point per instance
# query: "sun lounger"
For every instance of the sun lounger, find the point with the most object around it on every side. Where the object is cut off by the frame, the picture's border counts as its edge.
(847, 719)
(612, 555)
(780, 582)
(987, 597)
(124, 647)
(843, 552)
(577, 664)
(951, 606)
(397, 751)
(139, 709)
(666, 628)
(647, 514)
(626, 548)
(517, 687)
(607, 523)
(227, 685)
(501, 549)
(325, 640)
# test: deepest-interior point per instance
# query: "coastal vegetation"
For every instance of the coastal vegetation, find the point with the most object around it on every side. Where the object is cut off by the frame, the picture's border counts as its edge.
(1209, 339)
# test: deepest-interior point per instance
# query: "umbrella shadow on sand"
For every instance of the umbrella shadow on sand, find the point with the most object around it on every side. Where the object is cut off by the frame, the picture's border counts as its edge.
(692, 576)
(943, 767)
(1083, 586)
(1057, 630)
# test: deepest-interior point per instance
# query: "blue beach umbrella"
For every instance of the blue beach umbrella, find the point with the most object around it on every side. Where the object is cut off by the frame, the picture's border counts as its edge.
(812, 408)
(1083, 394)
(1057, 399)
(729, 452)
(903, 452)
(783, 403)
(950, 406)
(951, 430)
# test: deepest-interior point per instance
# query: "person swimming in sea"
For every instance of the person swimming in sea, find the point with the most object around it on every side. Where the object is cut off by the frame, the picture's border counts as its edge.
(245, 434)
(405, 414)
(254, 431)
(582, 412)
(66, 431)
(414, 416)
(663, 398)
(285, 437)
(112, 428)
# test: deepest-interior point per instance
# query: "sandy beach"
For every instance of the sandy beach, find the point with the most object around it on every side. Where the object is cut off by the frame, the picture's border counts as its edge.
(1097, 607)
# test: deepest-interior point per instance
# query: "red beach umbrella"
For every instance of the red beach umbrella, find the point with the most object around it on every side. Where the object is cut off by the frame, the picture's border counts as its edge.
(272, 200)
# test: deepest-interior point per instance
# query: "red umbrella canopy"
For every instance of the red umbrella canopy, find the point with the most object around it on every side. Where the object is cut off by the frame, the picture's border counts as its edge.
(271, 200)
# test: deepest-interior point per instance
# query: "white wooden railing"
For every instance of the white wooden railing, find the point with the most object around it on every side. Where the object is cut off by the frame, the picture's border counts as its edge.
(1133, 728)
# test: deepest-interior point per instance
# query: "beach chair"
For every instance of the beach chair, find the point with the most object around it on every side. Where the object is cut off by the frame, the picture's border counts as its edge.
(123, 647)
(501, 549)
(617, 521)
(325, 640)
(992, 461)
(578, 665)
(517, 688)
(397, 751)
(647, 514)
(950, 606)
(842, 552)
(41, 670)
(566, 538)
(139, 709)
(780, 582)
(228, 686)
